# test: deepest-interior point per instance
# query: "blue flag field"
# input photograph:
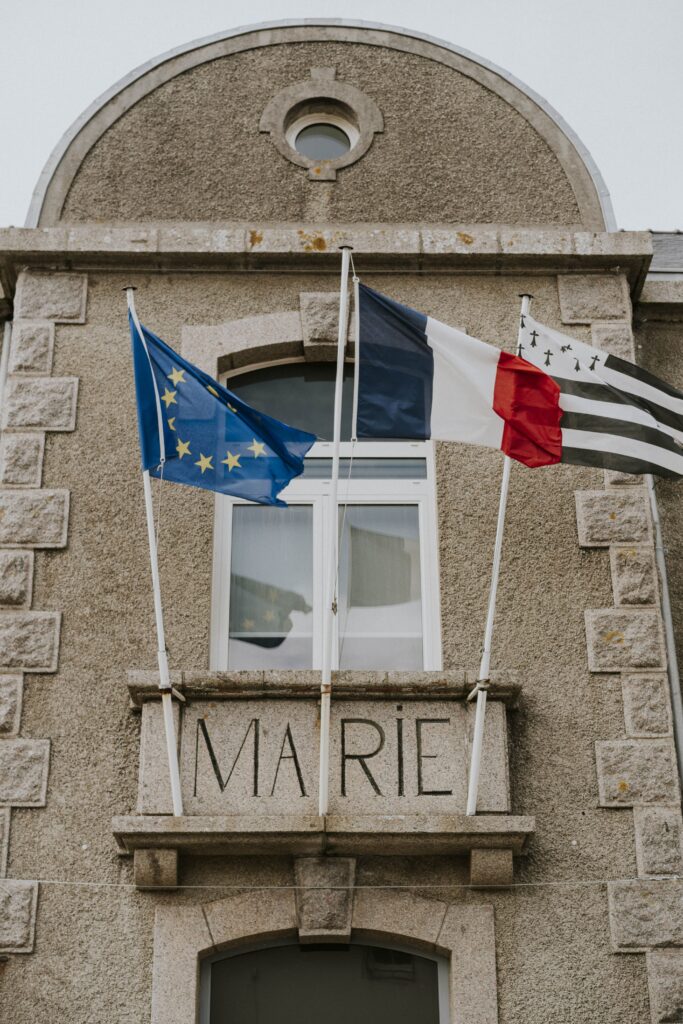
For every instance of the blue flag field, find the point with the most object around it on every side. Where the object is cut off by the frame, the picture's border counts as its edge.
(194, 431)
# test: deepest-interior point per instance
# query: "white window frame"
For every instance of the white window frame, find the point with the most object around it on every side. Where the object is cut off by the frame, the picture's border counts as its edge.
(420, 492)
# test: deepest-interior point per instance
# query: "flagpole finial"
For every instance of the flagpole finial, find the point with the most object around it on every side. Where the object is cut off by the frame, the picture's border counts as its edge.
(345, 245)
(525, 295)
(129, 288)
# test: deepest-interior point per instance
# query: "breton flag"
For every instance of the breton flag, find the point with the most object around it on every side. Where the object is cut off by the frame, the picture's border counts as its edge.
(556, 400)
(194, 431)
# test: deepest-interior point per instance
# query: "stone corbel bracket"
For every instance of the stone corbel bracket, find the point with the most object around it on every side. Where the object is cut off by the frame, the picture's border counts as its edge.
(322, 93)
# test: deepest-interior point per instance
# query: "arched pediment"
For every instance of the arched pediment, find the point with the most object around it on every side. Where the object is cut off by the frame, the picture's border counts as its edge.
(181, 139)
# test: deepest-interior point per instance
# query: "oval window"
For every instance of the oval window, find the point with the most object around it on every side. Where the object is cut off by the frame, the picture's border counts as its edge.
(322, 141)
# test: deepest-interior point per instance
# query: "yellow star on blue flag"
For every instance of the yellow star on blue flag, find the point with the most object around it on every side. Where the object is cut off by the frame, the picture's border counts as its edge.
(239, 451)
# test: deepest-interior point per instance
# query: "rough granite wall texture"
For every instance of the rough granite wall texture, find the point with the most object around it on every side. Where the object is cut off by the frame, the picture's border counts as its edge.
(94, 944)
(451, 150)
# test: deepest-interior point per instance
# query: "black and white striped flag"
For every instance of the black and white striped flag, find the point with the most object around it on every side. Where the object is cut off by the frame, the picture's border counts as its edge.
(614, 414)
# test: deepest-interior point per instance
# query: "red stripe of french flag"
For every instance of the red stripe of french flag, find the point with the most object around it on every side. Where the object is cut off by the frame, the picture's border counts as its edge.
(528, 401)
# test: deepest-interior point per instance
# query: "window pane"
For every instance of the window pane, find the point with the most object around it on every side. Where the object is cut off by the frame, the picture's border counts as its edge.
(380, 600)
(295, 985)
(367, 469)
(322, 142)
(271, 587)
(301, 394)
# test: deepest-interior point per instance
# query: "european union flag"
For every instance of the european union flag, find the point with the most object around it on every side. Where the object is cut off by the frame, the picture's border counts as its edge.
(194, 431)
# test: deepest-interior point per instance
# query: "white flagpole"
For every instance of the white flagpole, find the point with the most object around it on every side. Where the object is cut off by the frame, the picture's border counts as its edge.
(164, 677)
(481, 688)
(330, 607)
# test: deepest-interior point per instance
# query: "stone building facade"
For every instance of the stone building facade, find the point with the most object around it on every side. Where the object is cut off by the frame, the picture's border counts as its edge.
(458, 189)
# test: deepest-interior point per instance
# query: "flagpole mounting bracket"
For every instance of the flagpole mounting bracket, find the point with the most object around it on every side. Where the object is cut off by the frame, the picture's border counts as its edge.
(481, 684)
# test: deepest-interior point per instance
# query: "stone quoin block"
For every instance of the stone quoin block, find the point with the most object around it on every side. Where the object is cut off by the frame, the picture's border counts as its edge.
(24, 766)
(624, 638)
(646, 705)
(617, 339)
(29, 640)
(324, 898)
(21, 459)
(36, 518)
(32, 347)
(646, 914)
(11, 693)
(155, 869)
(588, 297)
(634, 575)
(636, 772)
(16, 578)
(658, 840)
(51, 296)
(665, 983)
(612, 517)
(320, 324)
(18, 901)
(4, 839)
(41, 403)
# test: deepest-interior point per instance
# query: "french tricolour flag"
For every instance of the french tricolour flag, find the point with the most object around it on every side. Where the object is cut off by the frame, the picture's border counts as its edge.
(557, 400)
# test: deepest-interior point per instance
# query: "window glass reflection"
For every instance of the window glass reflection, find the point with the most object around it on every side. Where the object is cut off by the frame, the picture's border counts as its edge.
(271, 588)
(380, 609)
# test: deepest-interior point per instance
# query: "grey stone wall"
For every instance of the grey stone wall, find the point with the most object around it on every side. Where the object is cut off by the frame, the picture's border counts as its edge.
(550, 930)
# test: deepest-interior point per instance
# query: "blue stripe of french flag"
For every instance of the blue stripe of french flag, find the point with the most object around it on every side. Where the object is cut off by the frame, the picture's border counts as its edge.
(421, 379)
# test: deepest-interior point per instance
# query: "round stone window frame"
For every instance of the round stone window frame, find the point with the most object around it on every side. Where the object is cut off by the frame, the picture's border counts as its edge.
(322, 100)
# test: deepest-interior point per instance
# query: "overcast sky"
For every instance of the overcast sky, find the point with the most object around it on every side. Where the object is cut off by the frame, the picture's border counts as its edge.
(612, 68)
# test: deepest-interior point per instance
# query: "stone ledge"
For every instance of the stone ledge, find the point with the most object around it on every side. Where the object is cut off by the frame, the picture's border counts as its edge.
(492, 248)
(381, 835)
(453, 683)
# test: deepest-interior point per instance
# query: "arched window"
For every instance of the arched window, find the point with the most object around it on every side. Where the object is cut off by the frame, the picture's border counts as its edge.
(356, 984)
(270, 563)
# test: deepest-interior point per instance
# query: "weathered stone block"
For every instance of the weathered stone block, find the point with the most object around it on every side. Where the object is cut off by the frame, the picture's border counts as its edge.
(665, 982)
(658, 840)
(18, 901)
(32, 347)
(21, 459)
(16, 578)
(614, 478)
(634, 575)
(155, 869)
(4, 839)
(491, 868)
(320, 324)
(24, 766)
(622, 639)
(636, 772)
(36, 518)
(646, 914)
(612, 517)
(465, 238)
(41, 403)
(154, 788)
(324, 898)
(45, 295)
(617, 339)
(588, 297)
(11, 693)
(29, 640)
(646, 705)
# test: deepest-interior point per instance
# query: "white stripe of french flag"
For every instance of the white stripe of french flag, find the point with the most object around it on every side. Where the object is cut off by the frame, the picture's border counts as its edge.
(419, 378)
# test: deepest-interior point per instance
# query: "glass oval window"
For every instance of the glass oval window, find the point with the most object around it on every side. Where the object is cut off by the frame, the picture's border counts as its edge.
(322, 141)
